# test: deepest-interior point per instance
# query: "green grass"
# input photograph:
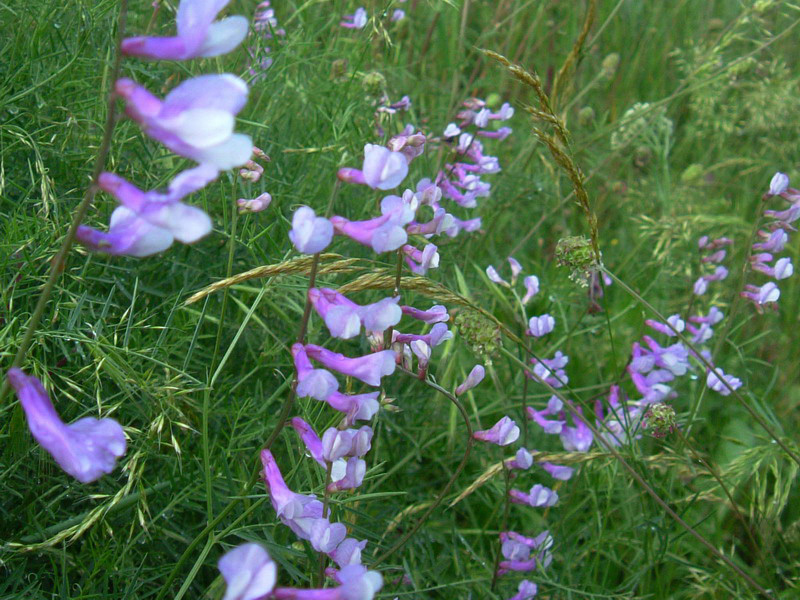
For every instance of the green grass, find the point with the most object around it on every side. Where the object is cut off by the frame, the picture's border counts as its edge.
(117, 339)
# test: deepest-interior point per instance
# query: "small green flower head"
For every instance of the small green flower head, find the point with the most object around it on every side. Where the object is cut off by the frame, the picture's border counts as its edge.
(374, 84)
(660, 419)
(479, 333)
(576, 253)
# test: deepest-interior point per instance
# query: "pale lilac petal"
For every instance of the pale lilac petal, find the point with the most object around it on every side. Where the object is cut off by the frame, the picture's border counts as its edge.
(475, 376)
(223, 36)
(86, 449)
(310, 234)
(249, 572)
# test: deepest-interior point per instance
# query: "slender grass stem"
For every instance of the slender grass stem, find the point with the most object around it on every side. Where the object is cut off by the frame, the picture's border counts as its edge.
(58, 263)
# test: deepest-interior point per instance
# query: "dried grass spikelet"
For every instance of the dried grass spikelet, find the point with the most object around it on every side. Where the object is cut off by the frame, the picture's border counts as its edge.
(294, 266)
(406, 512)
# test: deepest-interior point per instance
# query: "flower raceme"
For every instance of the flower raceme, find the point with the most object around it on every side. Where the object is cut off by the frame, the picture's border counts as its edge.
(195, 120)
(198, 34)
(86, 449)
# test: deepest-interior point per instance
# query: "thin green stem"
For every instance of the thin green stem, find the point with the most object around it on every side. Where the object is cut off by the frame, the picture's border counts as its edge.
(326, 501)
(503, 526)
(59, 261)
(470, 441)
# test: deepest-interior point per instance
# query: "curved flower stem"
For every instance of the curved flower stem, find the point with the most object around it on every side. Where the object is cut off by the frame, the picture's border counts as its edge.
(707, 364)
(57, 264)
(470, 441)
(398, 279)
(326, 501)
(504, 525)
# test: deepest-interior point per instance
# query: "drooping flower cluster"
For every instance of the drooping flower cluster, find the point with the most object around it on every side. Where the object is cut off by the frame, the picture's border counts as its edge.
(773, 239)
(265, 27)
(714, 254)
(195, 120)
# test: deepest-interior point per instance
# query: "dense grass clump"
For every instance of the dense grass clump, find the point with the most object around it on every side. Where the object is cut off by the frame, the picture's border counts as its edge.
(639, 128)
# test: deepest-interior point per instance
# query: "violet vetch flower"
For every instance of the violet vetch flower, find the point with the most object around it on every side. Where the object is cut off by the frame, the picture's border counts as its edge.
(452, 130)
(357, 20)
(539, 495)
(578, 438)
(713, 381)
(325, 536)
(439, 333)
(195, 119)
(296, 511)
(310, 438)
(419, 261)
(310, 234)
(674, 323)
(516, 549)
(344, 317)
(551, 370)
(435, 314)
(249, 572)
(475, 376)
(358, 407)
(86, 449)
(765, 294)
(541, 326)
(314, 383)
(525, 591)
(382, 169)
(779, 184)
(348, 478)
(148, 222)
(398, 15)
(516, 269)
(523, 460)
(558, 471)
(255, 205)
(382, 234)
(554, 407)
(198, 34)
(531, 288)
(348, 552)
(494, 276)
(503, 433)
(357, 583)
(369, 368)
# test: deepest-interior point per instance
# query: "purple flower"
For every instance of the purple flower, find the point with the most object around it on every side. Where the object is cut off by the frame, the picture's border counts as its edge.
(475, 376)
(775, 241)
(578, 438)
(148, 222)
(531, 288)
(358, 407)
(541, 326)
(516, 549)
(435, 314)
(357, 20)
(713, 381)
(348, 552)
(382, 169)
(494, 276)
(249, 572)
(526, 591)
(779, 184)
(198, 34)
(451, 130)
(195, 119)
(500, 134)
(503, 433)
(254, 205)
(516, 269)
(344, 317)
(551, 370)
(314, 383)
(538, 496)
(398, 15)
(311, 440)
(369, 368)
(409, 144)
(439, 333)
(523, 460)
(783, 268)
(674, 323)
(325, 536)
(86, 449)
(765, 294)
(347, 475)
(382, 234)
(554, 407)
(296, 511)
(357, 583)
(419, 261)
(558, 471)
(310, 234)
